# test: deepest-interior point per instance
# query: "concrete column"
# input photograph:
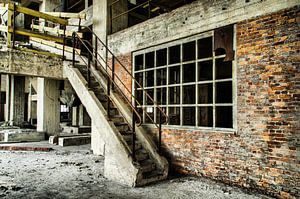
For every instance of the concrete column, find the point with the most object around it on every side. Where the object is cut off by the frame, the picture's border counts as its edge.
(7, 103)
(75, 116)
(84, 118)
(48, 106)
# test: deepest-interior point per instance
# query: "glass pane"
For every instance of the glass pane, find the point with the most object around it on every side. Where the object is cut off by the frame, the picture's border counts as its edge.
(149, 78)
(174, 95)
(189, 116)
(150, 92)
(224, 92)
(224, 116)
(161, 96)
(139, 97)
(149, 114)
(149, 60)
(205, 70)
(139, 79)
(163, 119)
(205, 93)
(189, 94)
(223, 69)
(189, 51)
(161, 77)
(139, 62)
(205, 116)
(174, 115)
(174, 54)
(174, 75)
(161, 57)
(189, 72)
(205, 48)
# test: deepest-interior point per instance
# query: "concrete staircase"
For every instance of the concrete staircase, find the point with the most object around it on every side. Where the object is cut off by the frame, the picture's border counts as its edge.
(112, 137)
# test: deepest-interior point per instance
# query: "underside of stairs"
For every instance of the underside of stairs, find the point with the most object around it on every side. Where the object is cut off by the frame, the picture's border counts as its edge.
(112, 136)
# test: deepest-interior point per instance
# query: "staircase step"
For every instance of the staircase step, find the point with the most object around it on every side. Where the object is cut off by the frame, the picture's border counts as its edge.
(137, 146)
(122, 126)
(117, 119)
(141, 155)
(74, 140)
(153, 174)
(147, 166)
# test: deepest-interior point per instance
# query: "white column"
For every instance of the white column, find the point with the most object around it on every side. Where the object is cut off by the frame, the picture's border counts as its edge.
(48, 106)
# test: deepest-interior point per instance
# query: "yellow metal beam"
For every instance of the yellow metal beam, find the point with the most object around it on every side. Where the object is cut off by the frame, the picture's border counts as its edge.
(54, 30)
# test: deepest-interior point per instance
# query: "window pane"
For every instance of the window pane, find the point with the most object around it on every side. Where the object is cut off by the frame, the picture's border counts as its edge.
(174, 95)
(205, 48)
(139, 78)
(174, 75)
(149, 60)
(161, 57)
(139, 61)
(205, 93)
(205, 116)
(189, 94)
(189, 72)
(224, 92)
(161, 77)
(224, 116)
(189, 116)
(150, 92)
(174, 54)
(149, 78)
(139, 97)
(223, 69)
(174, 116)
(189, 51)
(149, 115)
(161, 95)
(163, 119)
(205, 70)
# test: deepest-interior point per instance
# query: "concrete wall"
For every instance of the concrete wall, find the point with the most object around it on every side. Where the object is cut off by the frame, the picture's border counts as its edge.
(263, 152)
(31, 64)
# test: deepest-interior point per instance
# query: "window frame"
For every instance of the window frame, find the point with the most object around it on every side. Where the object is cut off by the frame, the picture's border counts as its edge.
(181, 105)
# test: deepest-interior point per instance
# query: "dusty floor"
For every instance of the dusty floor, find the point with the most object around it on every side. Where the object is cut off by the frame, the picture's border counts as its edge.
(73, 172)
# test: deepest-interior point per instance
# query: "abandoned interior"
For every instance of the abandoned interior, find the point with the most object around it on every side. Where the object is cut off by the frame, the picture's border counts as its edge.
(204, 88)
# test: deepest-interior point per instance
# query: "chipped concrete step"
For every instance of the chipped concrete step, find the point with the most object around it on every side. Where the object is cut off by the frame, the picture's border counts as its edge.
(147, 166)
(76, 129)
(76, 140)
(141, 155)
(20, 135)
(137, 146)
(122, 126)
(117, 118)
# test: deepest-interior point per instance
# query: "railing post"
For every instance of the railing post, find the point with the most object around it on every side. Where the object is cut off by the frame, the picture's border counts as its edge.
(96, 52)
(14, 27)
(133, 128)
(159, 132)
(108, 97)
(64, 42)
(113, 71)
(73, 52)
(89, 70)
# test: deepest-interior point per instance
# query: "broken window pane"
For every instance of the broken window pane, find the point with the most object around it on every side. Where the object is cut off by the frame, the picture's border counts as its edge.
(149, 96)
(174, 54)
(224, 116)
(139, 78)
(161, 57)
(189, 94)
(161, 77)
(149, 60)
(205, 93)
(174, 115)
(205, 48)
(161, 95)
(189, 73)
(205, 70)
(149, 78)
(189, 116)
(174, 95)
(189, 51)
(174, 75)
(149, 114)
(224, 92)
(205, 116)
(139, 62)
(223, 69)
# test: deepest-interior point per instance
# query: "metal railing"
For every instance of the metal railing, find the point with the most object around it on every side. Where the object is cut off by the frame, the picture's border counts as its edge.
(114, 82)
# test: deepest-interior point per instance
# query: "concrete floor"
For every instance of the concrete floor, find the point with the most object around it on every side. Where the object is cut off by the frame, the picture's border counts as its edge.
(73, 172)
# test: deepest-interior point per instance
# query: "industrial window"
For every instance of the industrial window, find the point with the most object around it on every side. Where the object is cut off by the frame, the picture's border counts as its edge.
(191, 82)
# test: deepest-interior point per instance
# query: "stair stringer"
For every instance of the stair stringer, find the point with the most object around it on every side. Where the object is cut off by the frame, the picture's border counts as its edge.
(141, 133)
(118, 164)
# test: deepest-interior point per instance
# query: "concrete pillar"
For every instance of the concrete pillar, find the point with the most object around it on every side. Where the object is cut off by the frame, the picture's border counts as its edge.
(7, 103)
(75, 116)
(97, 142)
(48, 106)
(84, 118)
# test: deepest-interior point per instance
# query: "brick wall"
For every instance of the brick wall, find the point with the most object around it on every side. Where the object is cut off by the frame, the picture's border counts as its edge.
(264, 152)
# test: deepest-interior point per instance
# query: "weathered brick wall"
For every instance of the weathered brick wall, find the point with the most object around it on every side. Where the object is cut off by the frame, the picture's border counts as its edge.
(264, 152)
